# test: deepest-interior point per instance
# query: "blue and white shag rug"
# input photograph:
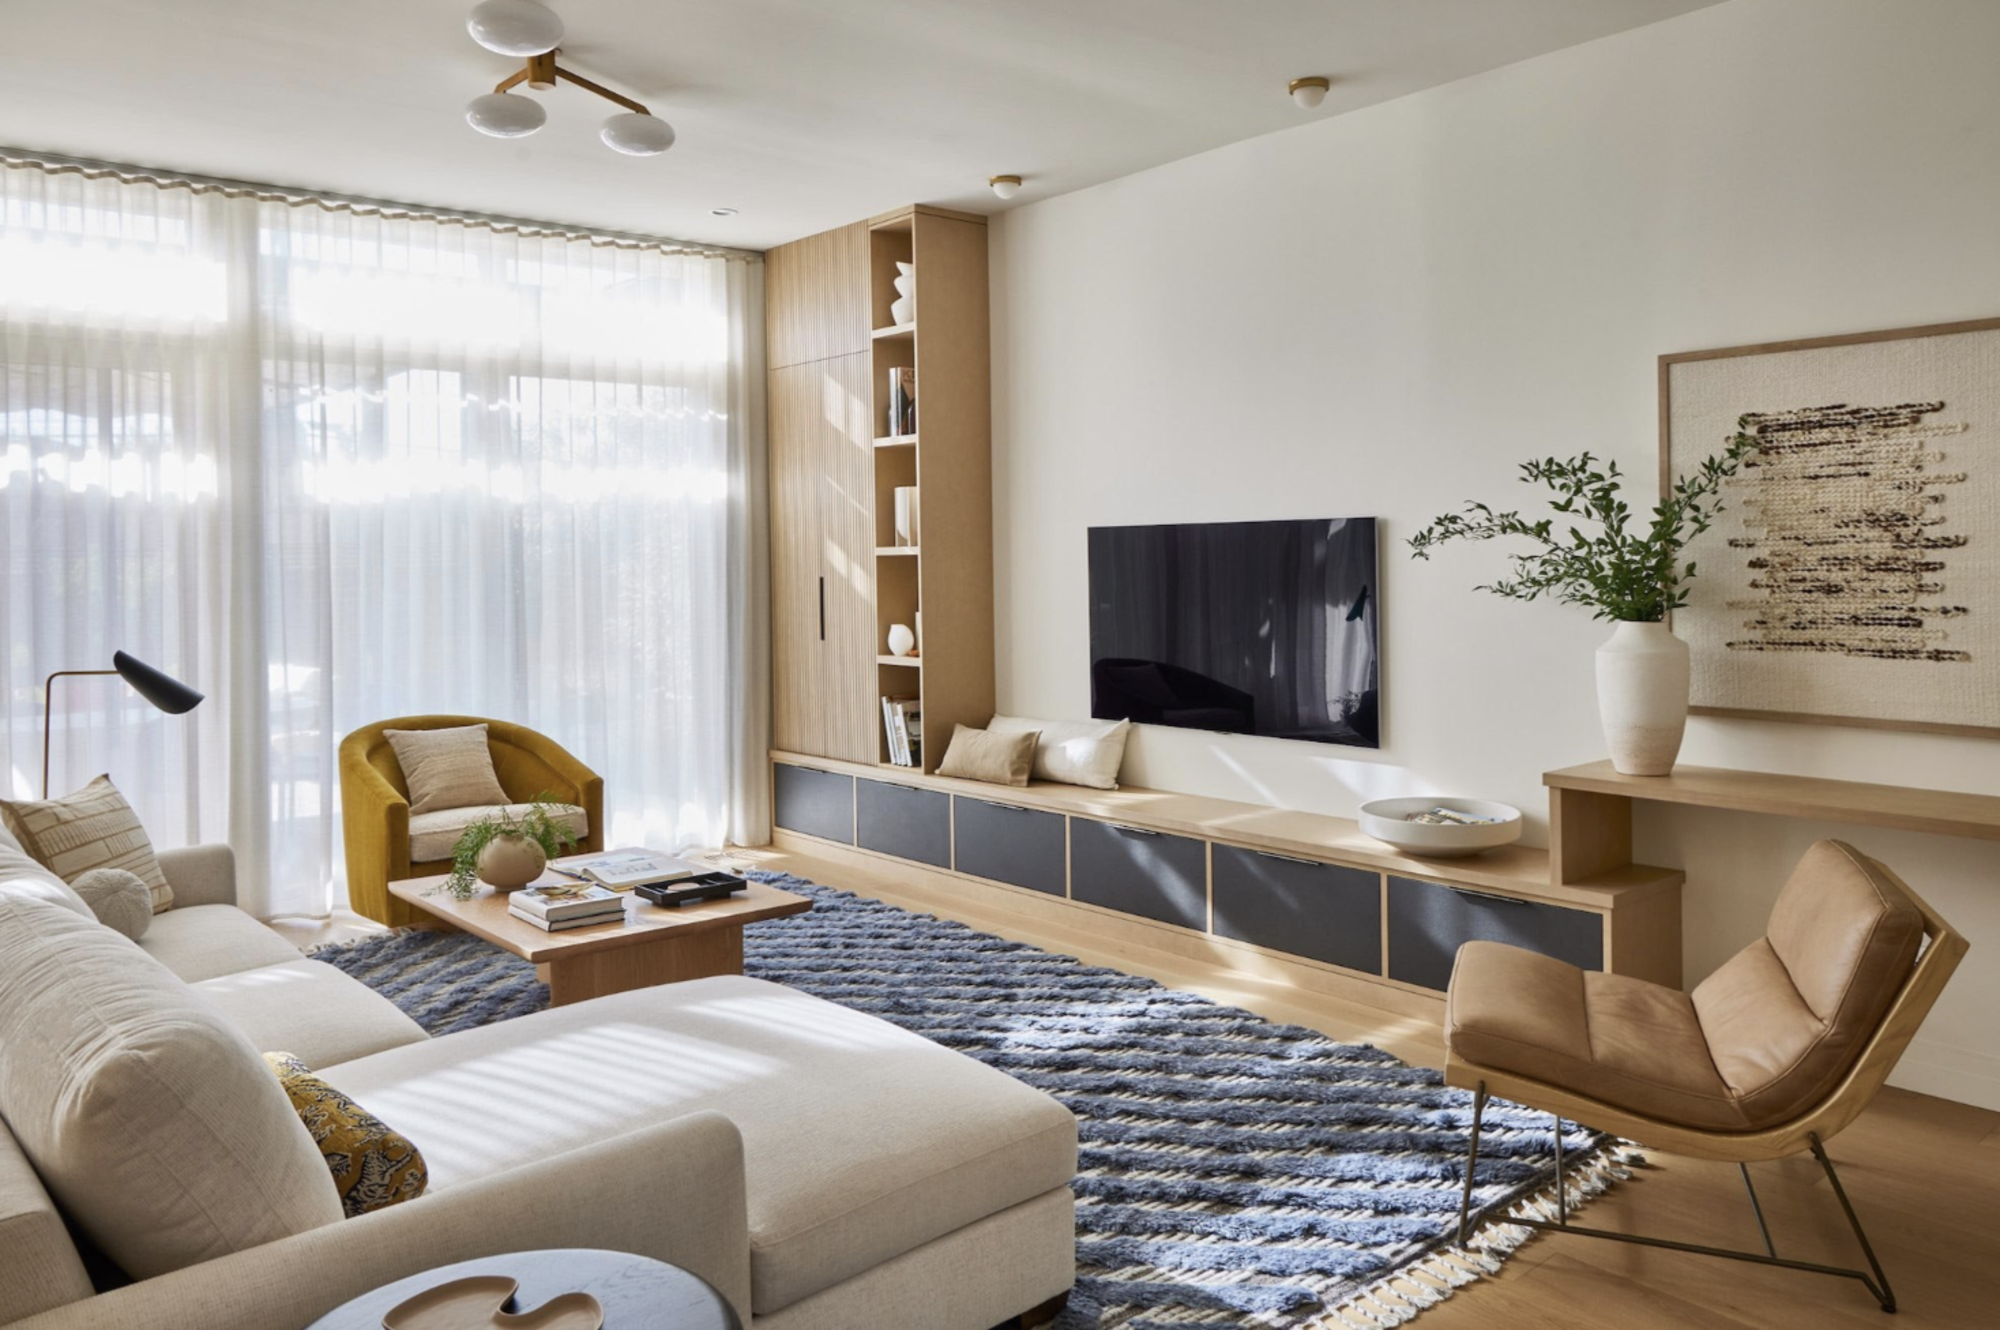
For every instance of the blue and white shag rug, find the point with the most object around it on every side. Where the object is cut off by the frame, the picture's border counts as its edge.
(1233, 1171)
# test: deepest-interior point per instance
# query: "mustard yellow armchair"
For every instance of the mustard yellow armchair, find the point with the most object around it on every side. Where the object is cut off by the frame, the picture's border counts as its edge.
(375, 803)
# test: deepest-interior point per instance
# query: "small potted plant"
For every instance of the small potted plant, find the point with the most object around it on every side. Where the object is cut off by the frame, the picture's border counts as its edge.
(506, 851)
(1632, 577)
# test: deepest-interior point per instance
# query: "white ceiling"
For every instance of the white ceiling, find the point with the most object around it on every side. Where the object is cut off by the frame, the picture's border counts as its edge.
(802, 114)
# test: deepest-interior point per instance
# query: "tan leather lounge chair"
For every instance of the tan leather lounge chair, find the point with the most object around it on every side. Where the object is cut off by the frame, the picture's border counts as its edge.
(1770, 1055)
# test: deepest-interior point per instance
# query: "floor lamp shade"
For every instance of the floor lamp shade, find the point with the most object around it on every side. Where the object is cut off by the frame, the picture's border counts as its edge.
(161, 689)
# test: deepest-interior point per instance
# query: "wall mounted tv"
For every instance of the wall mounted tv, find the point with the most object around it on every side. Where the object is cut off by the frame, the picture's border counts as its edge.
(1244, 627)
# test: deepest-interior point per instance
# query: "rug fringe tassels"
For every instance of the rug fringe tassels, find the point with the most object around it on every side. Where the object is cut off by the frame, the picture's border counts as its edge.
(1399, 1297)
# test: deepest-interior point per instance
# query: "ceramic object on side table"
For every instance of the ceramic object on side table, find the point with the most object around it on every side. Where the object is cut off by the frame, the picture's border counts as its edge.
(1642, 697)
(1387, 821)
(510, 861)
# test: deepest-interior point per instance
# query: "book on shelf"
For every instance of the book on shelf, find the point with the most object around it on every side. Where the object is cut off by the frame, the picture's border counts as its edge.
(557, 901)
(902, 722)
(903, 400)
(621, 870)
(563, 925)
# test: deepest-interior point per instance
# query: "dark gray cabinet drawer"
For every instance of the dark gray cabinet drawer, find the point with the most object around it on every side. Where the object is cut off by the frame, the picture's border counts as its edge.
(1147, 873)
(1324, 911)
(1427, 922)
(904, 821)
(817, 803)
(1009, 844)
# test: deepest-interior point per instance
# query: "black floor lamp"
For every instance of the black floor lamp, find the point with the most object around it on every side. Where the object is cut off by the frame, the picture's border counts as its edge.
(162, 690)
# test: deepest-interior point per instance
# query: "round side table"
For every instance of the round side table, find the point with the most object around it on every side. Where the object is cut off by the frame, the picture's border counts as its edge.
(637, 1293)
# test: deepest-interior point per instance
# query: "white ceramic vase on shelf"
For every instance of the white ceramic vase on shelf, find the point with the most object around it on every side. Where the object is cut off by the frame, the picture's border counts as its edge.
(904, 309)
(1642, 697)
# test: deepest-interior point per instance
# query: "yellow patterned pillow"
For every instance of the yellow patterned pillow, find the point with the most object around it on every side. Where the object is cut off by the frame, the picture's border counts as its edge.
(373, 1166)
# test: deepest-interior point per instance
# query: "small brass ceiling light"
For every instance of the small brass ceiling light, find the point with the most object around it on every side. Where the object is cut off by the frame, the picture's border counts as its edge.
(1308, 93)
(1004, 186)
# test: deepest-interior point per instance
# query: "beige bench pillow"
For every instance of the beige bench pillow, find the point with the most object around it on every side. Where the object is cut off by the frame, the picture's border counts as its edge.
(93, 828)
(155, 1126)
(1074, 752)
(997, 759)
(448, 768)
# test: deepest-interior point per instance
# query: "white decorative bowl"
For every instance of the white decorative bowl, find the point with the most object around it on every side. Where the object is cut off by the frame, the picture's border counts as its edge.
(1383, 819)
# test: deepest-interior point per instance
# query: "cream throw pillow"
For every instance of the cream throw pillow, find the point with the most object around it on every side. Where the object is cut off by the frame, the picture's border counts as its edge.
(449, 768)
(997, 759)
(1075, 752)
(117, 899)
(93, 828)
(154, 1125)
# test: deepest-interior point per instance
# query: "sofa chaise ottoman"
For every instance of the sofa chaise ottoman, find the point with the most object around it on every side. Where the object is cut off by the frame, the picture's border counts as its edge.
(821, 1168)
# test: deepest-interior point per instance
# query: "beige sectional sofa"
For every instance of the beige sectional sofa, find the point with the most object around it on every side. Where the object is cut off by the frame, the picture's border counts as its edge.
(819, 1167)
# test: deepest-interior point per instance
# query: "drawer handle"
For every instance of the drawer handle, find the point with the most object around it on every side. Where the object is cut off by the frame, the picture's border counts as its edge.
(1005, 808)
(1488, 896)
(1130, 831)
(1288, 859)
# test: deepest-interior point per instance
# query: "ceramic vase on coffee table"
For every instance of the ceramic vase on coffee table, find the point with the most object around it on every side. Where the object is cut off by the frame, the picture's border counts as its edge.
(1642, 697)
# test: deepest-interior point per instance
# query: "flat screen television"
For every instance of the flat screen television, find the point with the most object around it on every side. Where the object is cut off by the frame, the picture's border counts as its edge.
(1243, 627)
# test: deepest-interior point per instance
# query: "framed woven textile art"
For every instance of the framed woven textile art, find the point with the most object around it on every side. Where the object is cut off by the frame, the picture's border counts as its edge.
(1854, 578)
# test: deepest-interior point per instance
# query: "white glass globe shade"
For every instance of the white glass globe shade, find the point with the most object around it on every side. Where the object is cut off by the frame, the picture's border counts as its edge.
(1308, 95)
(637, 135)
(1005, 187)
(504, 116)
(515, 27)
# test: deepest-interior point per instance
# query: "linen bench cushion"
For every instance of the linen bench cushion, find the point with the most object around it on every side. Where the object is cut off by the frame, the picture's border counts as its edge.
(862, 1141)
(200, 942)
(1614, 1038)
(434, 835)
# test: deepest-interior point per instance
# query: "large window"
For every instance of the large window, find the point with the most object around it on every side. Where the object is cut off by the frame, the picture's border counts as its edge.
(334, 467)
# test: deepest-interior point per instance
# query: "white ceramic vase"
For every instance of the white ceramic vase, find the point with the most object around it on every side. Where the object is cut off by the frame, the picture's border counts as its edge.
(904, 309)
(901, 640)
(1642, 697)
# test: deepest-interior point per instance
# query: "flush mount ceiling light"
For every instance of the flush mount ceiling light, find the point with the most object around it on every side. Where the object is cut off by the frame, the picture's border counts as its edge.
(1005, 186)
(1308, 93)
(525, 28)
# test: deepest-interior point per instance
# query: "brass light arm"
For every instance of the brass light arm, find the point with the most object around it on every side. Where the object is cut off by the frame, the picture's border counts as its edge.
(49, 714)
(542, 72)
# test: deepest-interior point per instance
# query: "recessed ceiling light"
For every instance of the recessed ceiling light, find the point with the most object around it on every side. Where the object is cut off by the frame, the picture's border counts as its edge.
(1005, 186)
(1308, 93)
(722, 212)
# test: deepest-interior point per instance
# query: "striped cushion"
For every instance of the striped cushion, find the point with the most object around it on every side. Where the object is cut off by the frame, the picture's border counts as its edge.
(447, 768)
(93, 828)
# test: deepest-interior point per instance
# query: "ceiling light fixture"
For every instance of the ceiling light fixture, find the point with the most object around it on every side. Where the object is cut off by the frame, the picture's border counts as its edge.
(1308, 93)
(525, 28)
(722, 212)
(1005, 186)
(515, 27)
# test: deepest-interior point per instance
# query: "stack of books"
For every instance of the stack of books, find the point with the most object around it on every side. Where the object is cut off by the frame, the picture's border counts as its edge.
(903, 726)
(558, 906)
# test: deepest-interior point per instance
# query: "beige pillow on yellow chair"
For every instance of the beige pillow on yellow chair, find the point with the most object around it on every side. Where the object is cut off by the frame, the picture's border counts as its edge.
(93, 828)
(447, 768)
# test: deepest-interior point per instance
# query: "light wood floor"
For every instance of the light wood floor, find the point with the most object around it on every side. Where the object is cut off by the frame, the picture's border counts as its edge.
(1924, 1173)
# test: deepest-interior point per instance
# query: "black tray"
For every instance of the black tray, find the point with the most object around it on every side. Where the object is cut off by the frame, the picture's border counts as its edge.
(702, 887)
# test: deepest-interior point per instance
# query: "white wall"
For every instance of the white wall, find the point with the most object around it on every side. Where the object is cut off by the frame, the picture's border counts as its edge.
(1382, 313)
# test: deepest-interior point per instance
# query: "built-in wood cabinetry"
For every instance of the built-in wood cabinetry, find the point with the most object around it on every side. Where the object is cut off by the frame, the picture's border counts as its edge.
(839, 578)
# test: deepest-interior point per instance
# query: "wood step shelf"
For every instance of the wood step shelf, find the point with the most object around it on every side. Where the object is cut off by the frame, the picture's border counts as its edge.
(1590, 808)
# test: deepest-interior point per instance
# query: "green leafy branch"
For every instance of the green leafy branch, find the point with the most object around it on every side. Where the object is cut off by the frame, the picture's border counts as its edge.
(1597, 558)
(539, 824)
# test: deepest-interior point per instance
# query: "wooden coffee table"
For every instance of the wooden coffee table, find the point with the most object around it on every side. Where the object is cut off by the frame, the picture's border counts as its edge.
(653, 945)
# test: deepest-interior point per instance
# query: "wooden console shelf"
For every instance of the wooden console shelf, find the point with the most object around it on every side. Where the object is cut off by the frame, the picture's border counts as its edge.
(1590, 808)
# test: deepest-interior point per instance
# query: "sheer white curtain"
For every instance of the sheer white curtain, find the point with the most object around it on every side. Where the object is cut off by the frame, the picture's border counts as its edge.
(335, 466)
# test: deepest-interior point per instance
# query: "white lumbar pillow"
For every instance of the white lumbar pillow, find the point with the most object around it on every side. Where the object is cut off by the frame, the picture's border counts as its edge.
(155, 1126)
(1074, 752)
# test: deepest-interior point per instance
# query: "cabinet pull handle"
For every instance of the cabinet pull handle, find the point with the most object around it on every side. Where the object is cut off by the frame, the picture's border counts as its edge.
(1005, 808)
(822, 609)
(1130, 831)
(1288, 858)
(1488, 896)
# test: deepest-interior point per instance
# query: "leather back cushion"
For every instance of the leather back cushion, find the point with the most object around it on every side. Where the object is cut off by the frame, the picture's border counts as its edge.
(152, 1122)
(1788, 1015)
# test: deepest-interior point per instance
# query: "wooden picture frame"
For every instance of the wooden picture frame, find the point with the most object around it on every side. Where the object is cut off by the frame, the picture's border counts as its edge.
(1854, 576)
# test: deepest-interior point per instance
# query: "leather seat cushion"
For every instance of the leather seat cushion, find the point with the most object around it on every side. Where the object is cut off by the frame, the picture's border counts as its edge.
(1788, 1016)
(1625, 1042)
(434, 836)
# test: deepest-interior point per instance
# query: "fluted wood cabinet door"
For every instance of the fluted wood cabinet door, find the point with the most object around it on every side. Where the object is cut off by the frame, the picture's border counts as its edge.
(816, 297)
(847, 551)
(798, 720)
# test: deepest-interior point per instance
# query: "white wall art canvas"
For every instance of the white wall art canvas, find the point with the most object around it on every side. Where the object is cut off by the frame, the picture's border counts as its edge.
(1855, 576)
